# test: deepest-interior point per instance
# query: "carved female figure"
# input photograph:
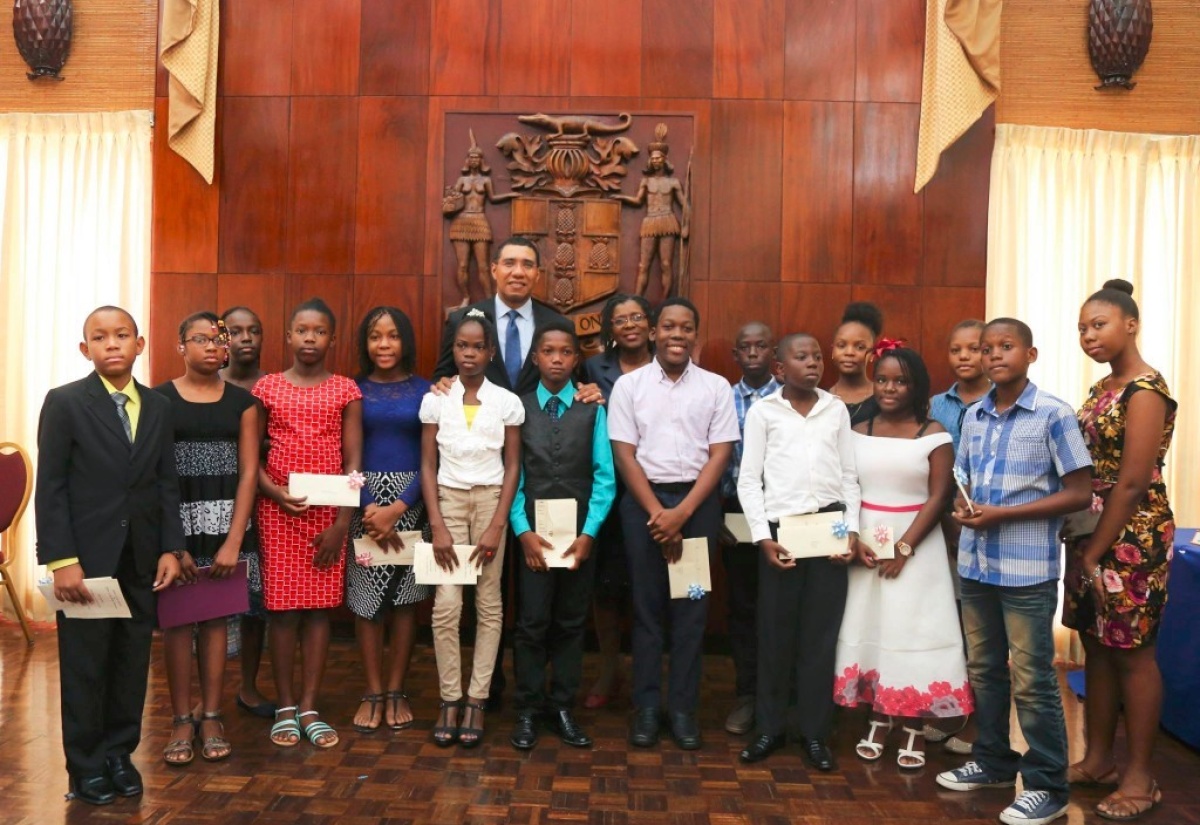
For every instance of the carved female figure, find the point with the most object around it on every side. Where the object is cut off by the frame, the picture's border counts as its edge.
(659, 190)
(470, 232)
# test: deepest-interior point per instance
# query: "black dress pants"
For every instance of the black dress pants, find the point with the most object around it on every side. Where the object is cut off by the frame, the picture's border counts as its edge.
(551, 619)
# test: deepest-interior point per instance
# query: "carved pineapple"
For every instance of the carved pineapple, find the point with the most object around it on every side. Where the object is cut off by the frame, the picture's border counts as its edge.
(1118, 39)
(42, 29)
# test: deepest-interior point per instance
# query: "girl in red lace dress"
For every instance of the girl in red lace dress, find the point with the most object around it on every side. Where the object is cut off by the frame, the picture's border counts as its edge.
(314, 424)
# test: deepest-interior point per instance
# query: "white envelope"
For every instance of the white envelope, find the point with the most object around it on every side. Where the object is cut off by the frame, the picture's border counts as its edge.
(109, 601)
(555, 519)
(427, 571)
(367, 547)
(811, 536)
(737, 524)
(324, 490)
(692, 568)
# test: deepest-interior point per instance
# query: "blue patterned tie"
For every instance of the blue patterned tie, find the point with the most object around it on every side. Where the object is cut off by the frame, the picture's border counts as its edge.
(512, 349)
(121, 399)
(553, 408)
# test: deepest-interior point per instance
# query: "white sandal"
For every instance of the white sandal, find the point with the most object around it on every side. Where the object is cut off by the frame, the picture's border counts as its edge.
(873, 750)
(907, 752)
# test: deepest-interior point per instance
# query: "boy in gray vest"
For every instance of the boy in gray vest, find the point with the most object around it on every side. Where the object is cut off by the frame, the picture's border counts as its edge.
(565, 454)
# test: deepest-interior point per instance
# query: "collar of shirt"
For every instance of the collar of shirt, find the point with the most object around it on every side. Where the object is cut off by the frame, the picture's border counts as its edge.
(525, 310)
(1026, 400)
(458, 392)
(130, 390)
(745, 390)
(565, 396)
(824, 401)
(662, 374)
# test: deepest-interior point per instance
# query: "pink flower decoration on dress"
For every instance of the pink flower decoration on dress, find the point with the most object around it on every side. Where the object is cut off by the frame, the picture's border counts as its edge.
(1112, 581)
(882, 534)
(355, 480)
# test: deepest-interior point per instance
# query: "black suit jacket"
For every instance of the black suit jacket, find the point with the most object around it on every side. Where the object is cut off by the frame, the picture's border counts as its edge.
(527, 379)
(96, 491)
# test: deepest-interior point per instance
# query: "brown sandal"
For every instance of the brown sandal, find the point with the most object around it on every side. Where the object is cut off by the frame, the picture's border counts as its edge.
(1085, 779)
(179, 752)
(475, 709)
(210, 745)
(1116, 798)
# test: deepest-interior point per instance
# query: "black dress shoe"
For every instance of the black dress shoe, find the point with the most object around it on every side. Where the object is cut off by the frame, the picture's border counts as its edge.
(568, 730)
(817, 754)
(685, 730)
(644, 731)
(125, 779)
(524, 735)
(762, 747)
(94, 790)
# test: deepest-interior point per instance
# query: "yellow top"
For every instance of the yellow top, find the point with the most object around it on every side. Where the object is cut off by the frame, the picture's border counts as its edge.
(469, 410)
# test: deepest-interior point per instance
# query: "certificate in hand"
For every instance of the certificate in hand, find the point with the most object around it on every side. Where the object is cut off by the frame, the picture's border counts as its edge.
(555, 519)
(204, 599)
(108, 602)
(427, 571)
(812, 535)
(369, 553)
(691, 569)
(323, 490)
(736, 524)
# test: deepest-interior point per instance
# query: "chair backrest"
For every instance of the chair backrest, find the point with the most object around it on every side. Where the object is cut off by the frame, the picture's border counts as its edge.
(16, 482)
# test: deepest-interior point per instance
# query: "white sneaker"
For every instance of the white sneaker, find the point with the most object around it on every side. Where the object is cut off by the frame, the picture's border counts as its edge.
(1034, 808)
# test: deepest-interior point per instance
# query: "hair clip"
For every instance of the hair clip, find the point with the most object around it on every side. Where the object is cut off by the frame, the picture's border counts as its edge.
(888, 344)
(474, 312)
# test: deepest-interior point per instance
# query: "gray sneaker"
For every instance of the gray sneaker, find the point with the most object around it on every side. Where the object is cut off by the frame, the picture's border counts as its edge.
(971, 776)
(741, 719)
(1034, 808)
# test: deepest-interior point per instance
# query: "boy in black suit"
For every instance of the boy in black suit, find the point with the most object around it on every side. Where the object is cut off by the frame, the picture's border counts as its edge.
(107, 504)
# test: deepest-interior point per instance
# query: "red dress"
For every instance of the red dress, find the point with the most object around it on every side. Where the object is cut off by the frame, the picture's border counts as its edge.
(304, 425)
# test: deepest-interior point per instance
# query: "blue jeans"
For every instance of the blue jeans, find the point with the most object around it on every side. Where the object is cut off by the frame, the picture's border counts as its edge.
(1015, 623)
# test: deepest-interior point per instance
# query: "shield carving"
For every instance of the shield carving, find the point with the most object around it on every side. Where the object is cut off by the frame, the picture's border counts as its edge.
(579, 239)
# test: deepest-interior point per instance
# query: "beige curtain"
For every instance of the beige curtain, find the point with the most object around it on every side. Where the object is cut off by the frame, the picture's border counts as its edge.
(1070, 209)
(74, 234)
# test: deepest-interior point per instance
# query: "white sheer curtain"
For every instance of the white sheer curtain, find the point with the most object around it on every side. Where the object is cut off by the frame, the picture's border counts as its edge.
(1070, 209)
(74, 234)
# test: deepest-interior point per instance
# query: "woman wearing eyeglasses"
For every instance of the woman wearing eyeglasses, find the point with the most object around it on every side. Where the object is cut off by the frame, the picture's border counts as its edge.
(625, 331)
(216, 452)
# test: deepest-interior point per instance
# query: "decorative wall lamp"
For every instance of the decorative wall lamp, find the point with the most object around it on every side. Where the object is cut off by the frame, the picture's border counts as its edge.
(42, 29)
(1118, 39)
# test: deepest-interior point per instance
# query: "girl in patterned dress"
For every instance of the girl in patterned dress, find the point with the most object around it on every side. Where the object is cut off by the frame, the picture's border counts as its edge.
(216, 452)
(314, 422)
(386, 596)
(1116, 576)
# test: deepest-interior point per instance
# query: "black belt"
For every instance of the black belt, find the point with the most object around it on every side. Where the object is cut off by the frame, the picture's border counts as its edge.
(673, 486)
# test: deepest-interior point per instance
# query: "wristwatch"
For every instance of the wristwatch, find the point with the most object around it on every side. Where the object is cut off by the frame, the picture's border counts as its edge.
(904, 548)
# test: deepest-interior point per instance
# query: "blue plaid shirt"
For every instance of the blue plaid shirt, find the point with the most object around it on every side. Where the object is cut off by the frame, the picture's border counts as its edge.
(948, 409)
(1015, 457)
(744, 397)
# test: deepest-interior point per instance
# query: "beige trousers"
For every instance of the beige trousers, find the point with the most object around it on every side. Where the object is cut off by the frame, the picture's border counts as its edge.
(467, 514)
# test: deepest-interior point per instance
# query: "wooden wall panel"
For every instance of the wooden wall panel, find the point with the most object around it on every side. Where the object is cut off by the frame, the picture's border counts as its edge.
(677, 48)
(322, 172)
(818, 198)
(941, 309)
(748, 49)
(819, 35)
(389, 208)
(815, 309)
(183, 233)
(901, 307)
(730, 305)
(887, 215)
(606, 47)
(256, 48)
(890, 50)
(334, 290)
(748, 185)
(464, 45)
(325, 60)
(394, 47)
(955, 229)
(535, 40)
(253, 154)
(266, 295)
(173, 297)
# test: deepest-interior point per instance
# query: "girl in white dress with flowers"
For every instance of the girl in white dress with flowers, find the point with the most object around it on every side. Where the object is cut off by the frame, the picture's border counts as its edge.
(899, 648)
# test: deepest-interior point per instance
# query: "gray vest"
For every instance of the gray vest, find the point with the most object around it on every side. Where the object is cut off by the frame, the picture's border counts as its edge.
(557, 455)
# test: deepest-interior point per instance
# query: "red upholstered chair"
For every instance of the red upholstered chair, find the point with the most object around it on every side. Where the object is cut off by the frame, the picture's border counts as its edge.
(16, 482)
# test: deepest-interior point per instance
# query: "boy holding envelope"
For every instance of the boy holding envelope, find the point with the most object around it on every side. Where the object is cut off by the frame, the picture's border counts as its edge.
(566, 465)
(798, 458)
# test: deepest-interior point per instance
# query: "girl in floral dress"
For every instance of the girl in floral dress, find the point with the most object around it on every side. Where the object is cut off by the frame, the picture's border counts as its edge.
(899, 648)
(1116, 576)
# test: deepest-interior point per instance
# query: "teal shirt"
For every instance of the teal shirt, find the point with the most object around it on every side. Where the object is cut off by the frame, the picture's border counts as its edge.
(604, 480)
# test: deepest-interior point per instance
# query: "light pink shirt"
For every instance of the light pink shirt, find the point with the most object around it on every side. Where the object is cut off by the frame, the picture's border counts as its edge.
(671, 424)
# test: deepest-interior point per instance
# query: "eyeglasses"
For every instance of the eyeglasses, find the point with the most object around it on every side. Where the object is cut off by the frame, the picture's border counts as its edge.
(205, 340)
(628, 320)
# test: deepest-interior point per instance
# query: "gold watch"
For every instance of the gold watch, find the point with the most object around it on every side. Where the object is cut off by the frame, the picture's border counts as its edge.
(904, 548)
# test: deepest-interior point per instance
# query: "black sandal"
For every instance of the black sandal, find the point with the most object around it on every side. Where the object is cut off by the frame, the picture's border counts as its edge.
(476, 733)
(394, 697)
(444, 733)
(373, 699)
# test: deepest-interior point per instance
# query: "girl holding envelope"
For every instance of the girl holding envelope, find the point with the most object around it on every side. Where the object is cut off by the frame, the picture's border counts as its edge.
(216, 454)
(314, 421)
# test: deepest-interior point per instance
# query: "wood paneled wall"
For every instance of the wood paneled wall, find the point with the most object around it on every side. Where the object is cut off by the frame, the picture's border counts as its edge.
(330, 171)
